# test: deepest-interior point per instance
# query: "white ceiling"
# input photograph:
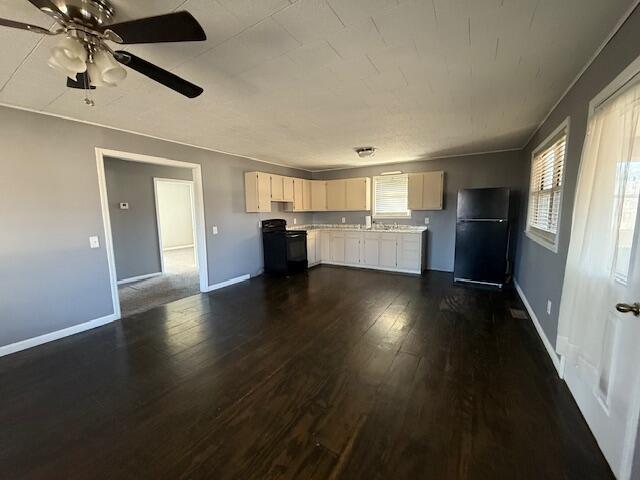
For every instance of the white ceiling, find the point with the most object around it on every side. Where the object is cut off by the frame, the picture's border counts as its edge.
(303, 82)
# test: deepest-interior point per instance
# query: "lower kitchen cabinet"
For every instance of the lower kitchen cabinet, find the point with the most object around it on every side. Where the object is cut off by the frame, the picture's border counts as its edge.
(312, 249)
(388, 250)
(337, 247)
(352, 248)
(398, 252)
(370, 249)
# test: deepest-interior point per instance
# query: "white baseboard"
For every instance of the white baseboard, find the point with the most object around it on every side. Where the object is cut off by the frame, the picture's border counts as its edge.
(50, 337)
(179, 247)
(558, 362)
(227, 283)
(124, 281)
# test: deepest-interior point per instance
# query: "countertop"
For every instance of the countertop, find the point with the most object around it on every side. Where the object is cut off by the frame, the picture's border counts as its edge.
(360, 228)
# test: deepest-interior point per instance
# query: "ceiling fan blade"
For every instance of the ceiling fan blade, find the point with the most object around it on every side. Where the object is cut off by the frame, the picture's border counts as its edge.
(26, 26)
(82, 82)
(173, 27)
(158, 74)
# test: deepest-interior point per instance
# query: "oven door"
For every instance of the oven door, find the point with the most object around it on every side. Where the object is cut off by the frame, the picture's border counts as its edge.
(297, 250)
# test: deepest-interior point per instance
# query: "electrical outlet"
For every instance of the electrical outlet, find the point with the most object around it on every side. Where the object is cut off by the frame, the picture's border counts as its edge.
(94, 242)
(548, 307)
(295, 220)
(214, 229)
(344, 220)
(426, 220)
(259, 224)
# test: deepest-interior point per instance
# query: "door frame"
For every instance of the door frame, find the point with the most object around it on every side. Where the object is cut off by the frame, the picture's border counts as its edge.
(194, 240)
(200, 230)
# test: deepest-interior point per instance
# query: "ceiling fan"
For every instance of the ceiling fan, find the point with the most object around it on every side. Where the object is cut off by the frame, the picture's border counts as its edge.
(84, 56)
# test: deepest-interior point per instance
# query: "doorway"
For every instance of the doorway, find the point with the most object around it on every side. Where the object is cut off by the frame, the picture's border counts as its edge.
(154, 230)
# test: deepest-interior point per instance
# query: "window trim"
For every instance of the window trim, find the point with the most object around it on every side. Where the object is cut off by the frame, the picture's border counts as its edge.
(374, 214)
(531, 232)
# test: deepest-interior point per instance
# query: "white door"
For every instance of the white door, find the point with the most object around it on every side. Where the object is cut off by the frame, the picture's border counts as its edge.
(600, 344)
(352, 248)
(388, 250)
(371, 249)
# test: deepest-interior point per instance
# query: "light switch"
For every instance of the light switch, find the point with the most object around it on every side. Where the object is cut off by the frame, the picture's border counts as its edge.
(94, 242)
(295, 220)
(124, 205)
(214, 229)
(548, 307)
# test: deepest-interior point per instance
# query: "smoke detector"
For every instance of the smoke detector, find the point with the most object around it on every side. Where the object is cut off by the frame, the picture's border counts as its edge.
(364, 152)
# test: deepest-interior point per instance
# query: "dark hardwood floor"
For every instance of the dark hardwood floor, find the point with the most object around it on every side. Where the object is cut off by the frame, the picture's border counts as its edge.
(337, 374)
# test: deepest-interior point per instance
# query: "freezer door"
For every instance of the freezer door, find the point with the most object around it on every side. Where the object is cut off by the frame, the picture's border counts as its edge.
(483, 203)
(481, 249)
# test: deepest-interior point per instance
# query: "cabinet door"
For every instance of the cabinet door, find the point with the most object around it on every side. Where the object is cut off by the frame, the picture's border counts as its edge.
(357, 193)
(336, 195)
(251, 191)
(337, 247)
(325, 246)
(409, 251)
(298, 195)
(388, 250)
(287, 187)
(264, 192)
(352, 248)
(415, 190)
(306, 195)
(277, 188)
(371, 249)
(433, 185)
(311, 247)
(318, 195)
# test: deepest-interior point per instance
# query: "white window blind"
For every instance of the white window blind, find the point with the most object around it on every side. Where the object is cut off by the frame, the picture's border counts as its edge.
(390, 196)
(545, 194)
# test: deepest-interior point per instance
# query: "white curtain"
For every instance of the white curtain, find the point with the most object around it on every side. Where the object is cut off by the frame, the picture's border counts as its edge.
(589, 291)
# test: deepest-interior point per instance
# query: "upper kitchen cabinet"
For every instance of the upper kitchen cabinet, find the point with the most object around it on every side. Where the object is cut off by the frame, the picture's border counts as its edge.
(281, 189)
(349, 194)
(358, 194)
(336, 195)
(257, 186)
(306, 195)
(426, 191)
(318, 195)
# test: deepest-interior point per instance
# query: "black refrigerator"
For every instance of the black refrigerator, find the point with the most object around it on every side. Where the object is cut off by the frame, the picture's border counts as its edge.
(482, 236)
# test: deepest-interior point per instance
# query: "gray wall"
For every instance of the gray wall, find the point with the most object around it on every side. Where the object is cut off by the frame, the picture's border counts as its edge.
(49, 277)
(488, 170)
(539, 271)
(135, 231)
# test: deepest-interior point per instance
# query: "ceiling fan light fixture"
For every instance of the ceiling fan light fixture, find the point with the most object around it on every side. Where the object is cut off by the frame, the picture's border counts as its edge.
(69, 57)
(95, 77)
(110, 71)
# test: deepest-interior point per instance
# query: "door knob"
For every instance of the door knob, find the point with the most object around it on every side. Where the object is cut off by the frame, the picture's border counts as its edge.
(626, 308)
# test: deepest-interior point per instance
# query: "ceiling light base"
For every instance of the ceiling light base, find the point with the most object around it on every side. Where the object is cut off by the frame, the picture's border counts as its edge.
(90, 13)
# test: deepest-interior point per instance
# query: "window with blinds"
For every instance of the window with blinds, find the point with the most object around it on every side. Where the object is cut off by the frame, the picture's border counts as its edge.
(545, 193)
(390, 196)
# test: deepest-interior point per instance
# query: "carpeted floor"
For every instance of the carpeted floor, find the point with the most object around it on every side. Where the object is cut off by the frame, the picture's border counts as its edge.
(179, 280)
